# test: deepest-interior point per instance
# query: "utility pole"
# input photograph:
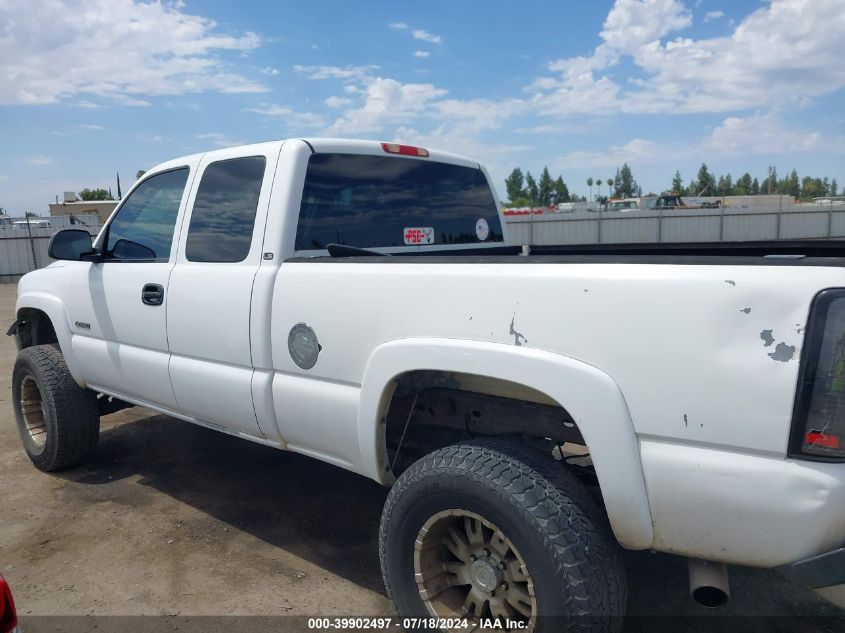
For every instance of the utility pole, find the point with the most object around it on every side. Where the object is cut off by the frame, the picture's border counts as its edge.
(31, 242)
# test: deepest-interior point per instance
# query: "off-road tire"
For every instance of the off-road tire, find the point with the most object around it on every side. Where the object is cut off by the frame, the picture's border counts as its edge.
(563, 536)
(70, 418)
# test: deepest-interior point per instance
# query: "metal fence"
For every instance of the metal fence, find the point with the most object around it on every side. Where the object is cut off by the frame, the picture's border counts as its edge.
(678, 225)
(23, 247)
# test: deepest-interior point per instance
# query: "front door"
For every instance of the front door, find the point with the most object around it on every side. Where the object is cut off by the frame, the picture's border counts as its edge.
(208, 318)
(117, 308)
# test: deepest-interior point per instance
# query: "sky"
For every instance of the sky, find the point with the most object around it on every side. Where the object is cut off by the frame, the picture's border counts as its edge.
(92, 87)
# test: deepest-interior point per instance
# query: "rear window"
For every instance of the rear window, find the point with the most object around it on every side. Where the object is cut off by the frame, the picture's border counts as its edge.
(372, 201)
(223, 218)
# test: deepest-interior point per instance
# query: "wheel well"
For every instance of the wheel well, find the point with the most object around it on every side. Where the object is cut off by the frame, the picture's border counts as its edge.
(34, 327)
(432, 409)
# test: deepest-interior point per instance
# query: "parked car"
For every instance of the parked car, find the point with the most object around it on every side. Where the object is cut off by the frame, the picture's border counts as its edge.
(8, 614)
(35, 224)
(355, 302)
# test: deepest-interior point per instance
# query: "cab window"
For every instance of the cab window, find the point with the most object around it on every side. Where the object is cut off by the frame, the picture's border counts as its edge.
(223, 218)
(143, 228)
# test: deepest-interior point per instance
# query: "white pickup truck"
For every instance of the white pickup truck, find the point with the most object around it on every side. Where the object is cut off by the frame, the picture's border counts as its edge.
(357, 302)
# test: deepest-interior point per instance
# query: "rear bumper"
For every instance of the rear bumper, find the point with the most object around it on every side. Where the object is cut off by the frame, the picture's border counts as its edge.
(825, 573)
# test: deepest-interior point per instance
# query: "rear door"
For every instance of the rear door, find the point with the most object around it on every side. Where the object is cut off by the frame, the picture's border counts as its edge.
(210, 293)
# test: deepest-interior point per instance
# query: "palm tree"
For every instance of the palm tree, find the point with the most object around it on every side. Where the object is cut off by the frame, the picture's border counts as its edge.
(609, 185)
(590, 185)
(598, 185)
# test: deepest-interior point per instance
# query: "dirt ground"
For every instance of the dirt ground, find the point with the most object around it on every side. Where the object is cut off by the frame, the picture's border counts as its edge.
(174, 519)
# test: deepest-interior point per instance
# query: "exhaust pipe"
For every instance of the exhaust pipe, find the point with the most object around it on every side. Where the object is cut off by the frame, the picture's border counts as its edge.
(708, 583)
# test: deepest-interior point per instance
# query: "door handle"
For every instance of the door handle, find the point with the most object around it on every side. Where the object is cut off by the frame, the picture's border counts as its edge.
(152, 294)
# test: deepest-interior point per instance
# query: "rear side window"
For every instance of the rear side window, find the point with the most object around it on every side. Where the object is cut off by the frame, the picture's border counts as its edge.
(372, 201)
(143, 227)
(224, 210)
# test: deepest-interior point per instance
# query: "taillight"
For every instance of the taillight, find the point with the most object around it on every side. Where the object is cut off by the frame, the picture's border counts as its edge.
(819, 418)
(404, 150)
(8, 615)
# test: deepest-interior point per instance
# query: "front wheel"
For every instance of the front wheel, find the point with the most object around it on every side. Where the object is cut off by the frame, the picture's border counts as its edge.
(57, 419)
(492, 530)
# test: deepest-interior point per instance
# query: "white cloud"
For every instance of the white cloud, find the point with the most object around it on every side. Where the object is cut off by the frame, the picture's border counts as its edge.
(763, 134)
(153, 138)
(422, 54)
(425, 36)
(636, 151)
(219, 139)
(79, 129)
(713, 15)
(760, 134)
(397, 26)
(88, 105)
(113, 49)
(478, 114)
(40, 159)
(337, 102)
(292, 118)
(354, 73)
(788, 48)
(631, 24)
(385, 101)
(269, 70)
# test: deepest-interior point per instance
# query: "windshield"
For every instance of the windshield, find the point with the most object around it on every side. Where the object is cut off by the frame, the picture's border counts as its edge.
(382, 201)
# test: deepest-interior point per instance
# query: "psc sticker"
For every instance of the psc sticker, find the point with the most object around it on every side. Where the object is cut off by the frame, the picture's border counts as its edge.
(482, 229)
(419, 235)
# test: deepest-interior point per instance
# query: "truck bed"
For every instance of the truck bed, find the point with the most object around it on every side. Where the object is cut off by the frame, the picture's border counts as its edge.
(771, 253)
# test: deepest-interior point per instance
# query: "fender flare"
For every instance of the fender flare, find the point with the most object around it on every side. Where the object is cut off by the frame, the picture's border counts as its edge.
(590, 395)
(55, 310)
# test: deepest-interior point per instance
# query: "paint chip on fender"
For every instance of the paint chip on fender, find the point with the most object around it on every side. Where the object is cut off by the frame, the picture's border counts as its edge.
(783, 352)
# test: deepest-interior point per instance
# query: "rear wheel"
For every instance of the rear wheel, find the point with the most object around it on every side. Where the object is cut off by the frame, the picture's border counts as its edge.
(493, 529)
(57, 420)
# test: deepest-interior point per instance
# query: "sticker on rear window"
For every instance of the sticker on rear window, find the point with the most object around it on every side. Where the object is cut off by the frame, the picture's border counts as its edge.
(482, 229)
(419, 235)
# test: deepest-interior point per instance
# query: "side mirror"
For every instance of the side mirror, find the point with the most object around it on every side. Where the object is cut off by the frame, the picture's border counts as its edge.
(70, 244)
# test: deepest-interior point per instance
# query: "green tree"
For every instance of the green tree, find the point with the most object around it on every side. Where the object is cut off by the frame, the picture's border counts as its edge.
(598, 187)
(743, 185)
(770, 183)
(792, 186)
(626, 186)
(590, 185)
(678, 184)
(544, 188)
(94, 194)
(755, 188)
(30, 214)
(139, 173)
(812, 188)
(531, 191)
(560, 191)
(834, 188)
(725, 186)
(706, 182)
(515, 185)
(609, 185)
